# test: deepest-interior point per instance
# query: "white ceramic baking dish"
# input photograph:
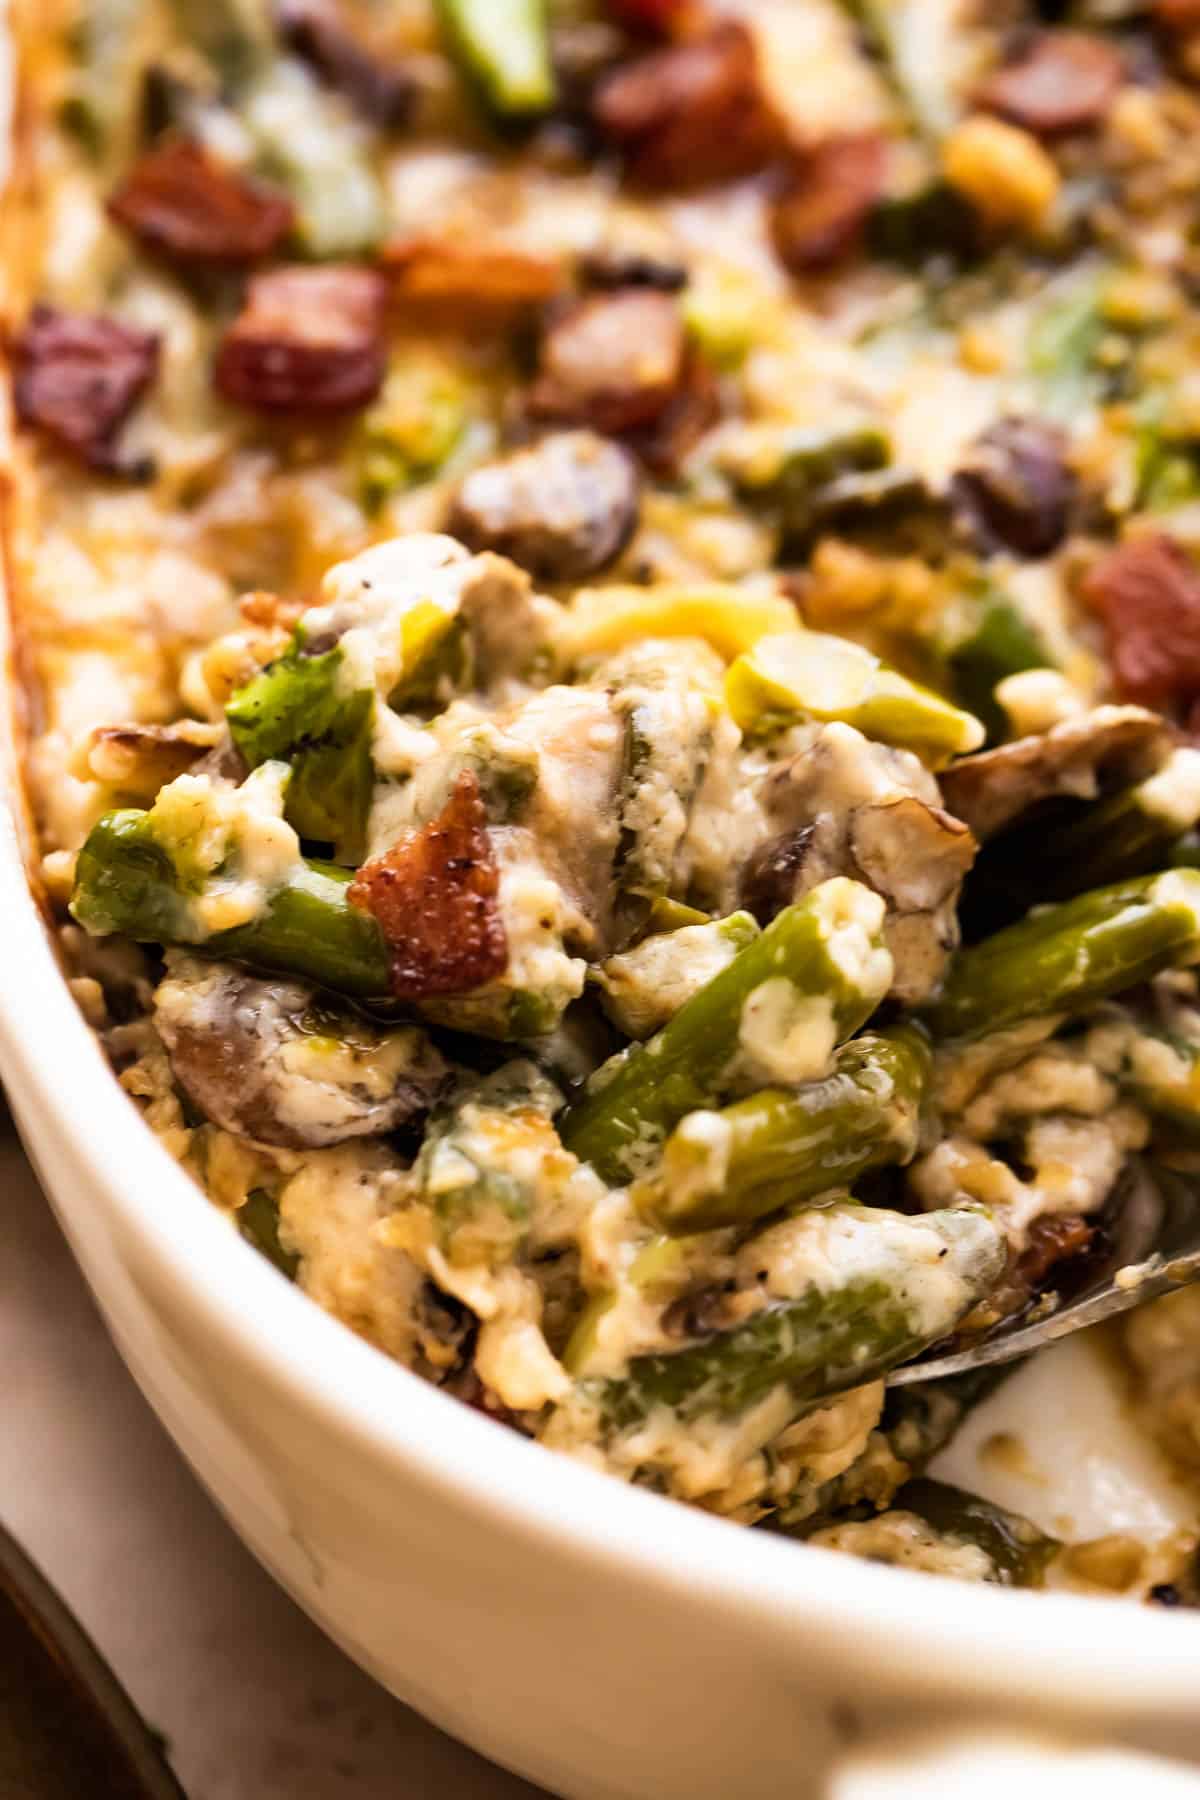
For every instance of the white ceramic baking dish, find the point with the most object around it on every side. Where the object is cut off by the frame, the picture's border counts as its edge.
(600, 1640)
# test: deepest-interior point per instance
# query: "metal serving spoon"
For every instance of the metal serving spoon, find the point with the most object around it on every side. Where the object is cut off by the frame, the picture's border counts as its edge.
(1153, 1226)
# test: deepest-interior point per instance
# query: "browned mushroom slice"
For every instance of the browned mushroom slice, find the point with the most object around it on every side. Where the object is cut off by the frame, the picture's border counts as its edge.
(1109, 746)
(434, 896)
(78, 376)
(1017, 487)
(694, 114)
(184, 204)
(844, 805)
(308, 340)
(1061, 81)
(563, 508)
(137, 760)
(261, 1059)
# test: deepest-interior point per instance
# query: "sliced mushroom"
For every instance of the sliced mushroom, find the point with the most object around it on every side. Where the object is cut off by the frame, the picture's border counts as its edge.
(562, 508)
(137, 760)
(1017, 488)
(846, 806)
(1109, 746)
(261, 1060)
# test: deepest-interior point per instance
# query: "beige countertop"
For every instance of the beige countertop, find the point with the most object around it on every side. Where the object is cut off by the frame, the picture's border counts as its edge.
(255, 1703)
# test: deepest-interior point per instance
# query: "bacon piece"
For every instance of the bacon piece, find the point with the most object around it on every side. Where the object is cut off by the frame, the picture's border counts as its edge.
(271, 611)
(307, 340)
(692, 409)
(824, 200)
(180, 201)
(434, 897)
(613, 361)
(1177, 15)
(658, 18)
(1051, 1240)
(78, 376)
(1147, 591)
(381, 90)
(693, 114)
(1063, 81)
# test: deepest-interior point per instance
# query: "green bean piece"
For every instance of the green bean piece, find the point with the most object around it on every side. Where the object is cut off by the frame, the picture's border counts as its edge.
(1079, 846)
(1064, 344)
(999, 643)
(1166, 464)
(804, 674)
(786, 474)
(931, 219)
(502, 48)
(1062, 959)
(893, 510)
(1017, 1550)
(296, 711)
(782, 1005)
(846, 1328)
(125, 882)
(477, 1164)
(258, 1222)
(782, 1147)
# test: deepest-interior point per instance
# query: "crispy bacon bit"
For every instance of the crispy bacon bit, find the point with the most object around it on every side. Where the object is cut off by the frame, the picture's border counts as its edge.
(78, 376)
(444, 278)
(1063, 81)
(1147, 591)
(824, 200)
(693, 114)
(694, 407)
(1052, 1240)
(1177, 15)
(307, 340)
(271, 611)
(658, 18)
(382, 91)
(434, 896)
(180, 201)
(613, 361)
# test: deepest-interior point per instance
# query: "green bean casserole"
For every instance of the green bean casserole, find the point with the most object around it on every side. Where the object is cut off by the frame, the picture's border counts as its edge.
(610, 604)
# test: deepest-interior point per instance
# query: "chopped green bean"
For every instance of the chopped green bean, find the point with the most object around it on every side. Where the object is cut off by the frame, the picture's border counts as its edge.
(781, 1006)
(125, 881)
(782, 1147)
(845, 1329)
(1064, 958)
(503, 50)
(296, 710)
